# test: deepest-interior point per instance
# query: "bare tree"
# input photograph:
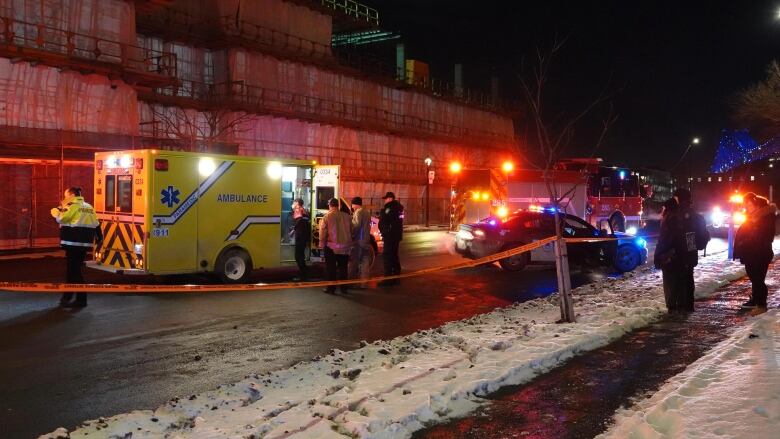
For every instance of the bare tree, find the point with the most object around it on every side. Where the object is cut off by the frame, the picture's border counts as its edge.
(553, 132)
(758, 106)
(200, 130)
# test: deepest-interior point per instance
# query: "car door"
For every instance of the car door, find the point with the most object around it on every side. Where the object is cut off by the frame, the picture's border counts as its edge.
(540, 226)
(581, 252)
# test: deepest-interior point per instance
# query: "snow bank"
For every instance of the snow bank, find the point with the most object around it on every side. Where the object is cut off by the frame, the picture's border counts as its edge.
(732, 391)
(388, 389)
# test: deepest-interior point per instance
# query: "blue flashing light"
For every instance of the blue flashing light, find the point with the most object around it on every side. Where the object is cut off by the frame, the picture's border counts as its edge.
(642, 242)
(622, 175)
(492, 222)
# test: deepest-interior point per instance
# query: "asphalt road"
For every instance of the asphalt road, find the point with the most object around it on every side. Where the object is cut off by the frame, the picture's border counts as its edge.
(126, 352)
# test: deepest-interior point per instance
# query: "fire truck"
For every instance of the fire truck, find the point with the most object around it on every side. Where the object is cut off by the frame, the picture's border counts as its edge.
(167, 212)
(589, 190)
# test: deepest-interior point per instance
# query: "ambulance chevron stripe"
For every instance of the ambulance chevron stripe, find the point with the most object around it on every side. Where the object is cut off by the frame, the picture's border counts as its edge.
(190, 201)
(250, 220)
(118, 241)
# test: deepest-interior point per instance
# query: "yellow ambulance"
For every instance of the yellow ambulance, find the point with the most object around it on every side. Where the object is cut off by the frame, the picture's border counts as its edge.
(170, 212)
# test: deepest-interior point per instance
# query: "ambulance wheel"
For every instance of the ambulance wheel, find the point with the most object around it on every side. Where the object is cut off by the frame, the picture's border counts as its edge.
(233, 266)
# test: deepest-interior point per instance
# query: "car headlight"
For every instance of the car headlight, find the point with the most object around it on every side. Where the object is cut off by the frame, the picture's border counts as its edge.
(465, 234)
(631, 230)
(479, 233)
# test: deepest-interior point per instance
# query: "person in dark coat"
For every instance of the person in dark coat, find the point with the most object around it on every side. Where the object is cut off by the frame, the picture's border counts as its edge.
(753, 246)
(391, 226)
(302, 235)
(683, 234)
(666, 258)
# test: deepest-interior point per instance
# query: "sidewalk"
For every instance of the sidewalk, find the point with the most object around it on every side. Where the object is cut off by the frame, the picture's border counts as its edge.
(579, 399)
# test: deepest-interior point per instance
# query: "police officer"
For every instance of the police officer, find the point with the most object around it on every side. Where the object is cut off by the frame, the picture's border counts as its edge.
(79, 228)
(391, 225)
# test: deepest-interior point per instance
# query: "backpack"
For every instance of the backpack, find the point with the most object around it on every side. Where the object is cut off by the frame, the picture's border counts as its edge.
(695, 232)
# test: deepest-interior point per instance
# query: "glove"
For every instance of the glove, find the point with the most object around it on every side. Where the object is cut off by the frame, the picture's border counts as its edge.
(55, 212)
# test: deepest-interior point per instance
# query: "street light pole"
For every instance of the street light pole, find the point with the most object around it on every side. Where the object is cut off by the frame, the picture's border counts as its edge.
(428, 163)
(695, 141)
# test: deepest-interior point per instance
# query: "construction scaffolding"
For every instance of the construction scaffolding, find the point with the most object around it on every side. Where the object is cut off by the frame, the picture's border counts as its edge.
(254, 78)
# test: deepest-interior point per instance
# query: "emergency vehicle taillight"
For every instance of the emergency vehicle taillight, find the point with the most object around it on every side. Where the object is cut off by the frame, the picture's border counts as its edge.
(160, 164)
(139, 164)
(99, 165)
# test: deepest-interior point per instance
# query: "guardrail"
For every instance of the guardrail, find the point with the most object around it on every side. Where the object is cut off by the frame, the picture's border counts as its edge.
(83, 48)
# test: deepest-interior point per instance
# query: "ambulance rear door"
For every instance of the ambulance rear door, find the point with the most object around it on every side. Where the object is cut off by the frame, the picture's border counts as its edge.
(120, 207)
(173, 232)
(326, 186)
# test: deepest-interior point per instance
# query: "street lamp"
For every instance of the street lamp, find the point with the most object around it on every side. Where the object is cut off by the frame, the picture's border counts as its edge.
(455, 168)
(694, 141)
(428, 163)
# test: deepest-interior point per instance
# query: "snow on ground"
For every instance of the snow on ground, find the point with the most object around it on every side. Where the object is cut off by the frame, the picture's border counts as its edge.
(733, 391)
(388, 389)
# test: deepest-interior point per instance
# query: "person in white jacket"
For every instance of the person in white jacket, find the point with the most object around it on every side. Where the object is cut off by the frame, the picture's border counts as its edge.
(336, 243)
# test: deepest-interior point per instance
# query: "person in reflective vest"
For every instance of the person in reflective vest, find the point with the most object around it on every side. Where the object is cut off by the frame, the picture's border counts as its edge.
(79, 229)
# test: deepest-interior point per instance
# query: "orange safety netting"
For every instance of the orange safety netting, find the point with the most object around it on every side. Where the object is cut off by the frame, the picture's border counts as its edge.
(43, 97)
(270, 73)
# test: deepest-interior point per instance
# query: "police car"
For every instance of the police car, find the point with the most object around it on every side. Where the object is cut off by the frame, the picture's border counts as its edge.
(493, 235)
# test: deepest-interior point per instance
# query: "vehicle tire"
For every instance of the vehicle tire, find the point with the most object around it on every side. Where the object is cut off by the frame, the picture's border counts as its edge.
(627, 258)
(516, 262)
(233, 266)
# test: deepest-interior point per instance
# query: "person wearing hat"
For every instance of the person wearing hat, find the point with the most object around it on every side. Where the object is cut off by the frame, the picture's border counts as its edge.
(391, 225)
(336, 243)
(683, 234)
(753, 247)
(360, 266)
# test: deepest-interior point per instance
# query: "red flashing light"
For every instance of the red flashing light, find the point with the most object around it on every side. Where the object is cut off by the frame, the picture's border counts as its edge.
(99, 165)
(139, 164)
(160, 164)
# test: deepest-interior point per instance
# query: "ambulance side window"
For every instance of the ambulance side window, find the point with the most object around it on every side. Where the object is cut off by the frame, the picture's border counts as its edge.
(125, 193)
(324, 193)
(110, 193)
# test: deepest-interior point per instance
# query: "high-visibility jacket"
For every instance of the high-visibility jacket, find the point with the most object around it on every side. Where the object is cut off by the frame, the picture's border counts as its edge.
(79, 226)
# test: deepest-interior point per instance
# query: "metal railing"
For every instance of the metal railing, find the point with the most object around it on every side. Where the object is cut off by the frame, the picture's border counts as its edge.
(84, 48)
(240, 96)
(354, 9)
(214, 33)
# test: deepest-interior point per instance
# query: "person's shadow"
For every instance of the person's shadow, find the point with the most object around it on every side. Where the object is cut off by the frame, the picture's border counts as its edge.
(21, 330)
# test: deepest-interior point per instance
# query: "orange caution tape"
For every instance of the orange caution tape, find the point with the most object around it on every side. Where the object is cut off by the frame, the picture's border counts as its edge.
(42, 287)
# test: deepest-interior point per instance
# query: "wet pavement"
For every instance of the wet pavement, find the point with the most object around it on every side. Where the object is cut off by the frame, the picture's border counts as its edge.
(134, 351)
(579, 399)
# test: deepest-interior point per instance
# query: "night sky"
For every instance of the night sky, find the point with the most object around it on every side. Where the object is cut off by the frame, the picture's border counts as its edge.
(674, 65)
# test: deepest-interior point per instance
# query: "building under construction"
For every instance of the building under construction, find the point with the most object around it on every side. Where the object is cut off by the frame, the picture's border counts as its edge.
(250, 77)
